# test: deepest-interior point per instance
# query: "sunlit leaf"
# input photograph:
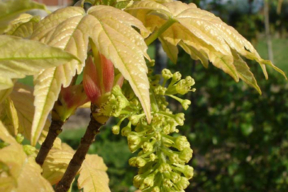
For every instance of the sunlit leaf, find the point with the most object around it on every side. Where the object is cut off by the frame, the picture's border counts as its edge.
(23, 26)
(21, 173)
(110, 30)
(9, 117)
(56, 163)
(11, 9)
(93, 176)
(19, 57)
(201, 34)
(22, 97)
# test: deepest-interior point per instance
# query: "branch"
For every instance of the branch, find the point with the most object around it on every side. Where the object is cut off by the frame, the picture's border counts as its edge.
(54, 130)
(78, 158)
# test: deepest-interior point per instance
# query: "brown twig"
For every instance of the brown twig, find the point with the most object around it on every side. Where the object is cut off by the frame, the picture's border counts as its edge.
(54, 130)
(78, 158)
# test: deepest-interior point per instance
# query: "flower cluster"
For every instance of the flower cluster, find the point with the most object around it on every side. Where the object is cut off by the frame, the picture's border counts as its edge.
(161, 157)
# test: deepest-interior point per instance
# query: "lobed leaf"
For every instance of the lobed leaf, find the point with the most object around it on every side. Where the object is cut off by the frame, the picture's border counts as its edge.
(111, 31)
(202, 35)
(93, 176)
(11, 9)
(21, 173)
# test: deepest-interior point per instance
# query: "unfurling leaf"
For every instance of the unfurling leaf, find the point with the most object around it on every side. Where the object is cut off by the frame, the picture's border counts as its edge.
(112, 33)
(93, 176)
(202, 35)
(19, 172)
(11, 9)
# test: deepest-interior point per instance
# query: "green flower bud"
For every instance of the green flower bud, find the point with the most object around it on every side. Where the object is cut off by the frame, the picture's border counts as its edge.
(181, 143)
(134, 119)
(166, 74)
(159, 90)
(126, 130)
(152, 157)
(149, 181)
(29, 150)
(155, 189)
(189, 81)
(147, 147)
(133, 139)
(19, 138)
(183, 183)
(185, 104)
(181, 87)
(180, 118)
(116, 129)
(167, 183)
(175, 177)
(188, 171)
(137, 180)
(174, 158)
(176, 77)
(137, 162)
(165, 167)
(186, 154)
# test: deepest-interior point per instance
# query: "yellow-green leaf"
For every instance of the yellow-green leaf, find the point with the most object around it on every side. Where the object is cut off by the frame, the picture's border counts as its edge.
(171, 50)
(111, 31)
(23, 26)
(202, 35)
(9, 117)
(21, 173)
(56, 163)
(19, 57)
(11, 9)
(93, 176)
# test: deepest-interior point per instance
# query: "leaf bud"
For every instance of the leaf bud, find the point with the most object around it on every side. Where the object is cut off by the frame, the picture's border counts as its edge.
(116, 129)
(181, 143)
(186, 154)
(166, 74)
(29, 150)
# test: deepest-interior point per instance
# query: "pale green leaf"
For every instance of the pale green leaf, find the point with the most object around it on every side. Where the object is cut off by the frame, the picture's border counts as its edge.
(23, 26)
(19, 57)
(171, 50)
(201, 34)
(23, 174)
(56, 163)
(70, 29)
(23, 99)
(244, 72)
(93, 176)
(11, 9)
(9, 117)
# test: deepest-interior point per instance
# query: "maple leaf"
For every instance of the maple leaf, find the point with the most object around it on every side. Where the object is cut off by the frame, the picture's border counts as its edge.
(202, 35)
(112, 33)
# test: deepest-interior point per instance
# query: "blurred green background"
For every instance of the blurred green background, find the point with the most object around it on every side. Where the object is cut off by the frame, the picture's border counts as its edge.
(239, 138)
